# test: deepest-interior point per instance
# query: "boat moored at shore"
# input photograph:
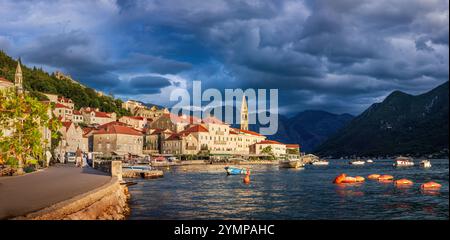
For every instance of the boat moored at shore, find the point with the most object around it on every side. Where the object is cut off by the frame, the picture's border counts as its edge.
(235, 170)
(403, 162)
(320, 163)
(357, 162)
(425, 163)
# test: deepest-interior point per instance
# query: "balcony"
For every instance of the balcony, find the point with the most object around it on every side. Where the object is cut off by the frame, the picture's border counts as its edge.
(220, 142)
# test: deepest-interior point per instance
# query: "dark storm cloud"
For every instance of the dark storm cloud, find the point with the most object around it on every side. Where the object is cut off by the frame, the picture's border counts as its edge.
(339, 56)
(143, 85)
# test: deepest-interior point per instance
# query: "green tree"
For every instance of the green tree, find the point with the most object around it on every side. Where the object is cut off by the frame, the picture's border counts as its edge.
(268, 150)
(22, 119)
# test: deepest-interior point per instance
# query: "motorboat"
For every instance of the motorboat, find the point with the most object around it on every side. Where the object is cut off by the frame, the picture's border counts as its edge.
(425, 163)
(235, 170)
(320, 163)
(357, 162)
(291, 163)
(369, 161)
(403, 162)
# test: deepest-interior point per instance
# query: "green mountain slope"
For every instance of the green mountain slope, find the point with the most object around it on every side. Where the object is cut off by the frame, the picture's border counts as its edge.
(401, 124)
(36, 80)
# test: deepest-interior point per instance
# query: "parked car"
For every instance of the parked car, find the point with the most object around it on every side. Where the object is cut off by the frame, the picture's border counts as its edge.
(69, 157)
(172, 159)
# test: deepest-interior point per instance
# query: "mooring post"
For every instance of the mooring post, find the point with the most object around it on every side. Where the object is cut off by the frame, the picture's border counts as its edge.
(116, 169)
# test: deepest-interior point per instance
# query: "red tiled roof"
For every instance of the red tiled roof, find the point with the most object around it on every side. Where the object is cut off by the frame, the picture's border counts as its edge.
(63, 99)
(158, 131)
(117, 129)
(292, 145)
(196, 128)
(5, 83)
(134, 117)
(269, 142)
(249, 132)
(172, 137)
(112, 123)
(102, 114)
(76, 112)
(59, 105)
(66, 124)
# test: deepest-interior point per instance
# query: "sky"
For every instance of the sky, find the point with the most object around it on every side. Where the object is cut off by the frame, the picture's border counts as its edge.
(338, 56)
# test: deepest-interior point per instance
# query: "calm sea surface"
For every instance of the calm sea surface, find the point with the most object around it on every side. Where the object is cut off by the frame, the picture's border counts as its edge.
(206, 192)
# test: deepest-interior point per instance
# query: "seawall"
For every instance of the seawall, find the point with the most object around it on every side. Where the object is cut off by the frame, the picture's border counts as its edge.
(108, 202)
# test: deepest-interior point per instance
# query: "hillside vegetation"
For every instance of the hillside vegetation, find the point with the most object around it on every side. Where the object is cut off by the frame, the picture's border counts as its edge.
(35, 80)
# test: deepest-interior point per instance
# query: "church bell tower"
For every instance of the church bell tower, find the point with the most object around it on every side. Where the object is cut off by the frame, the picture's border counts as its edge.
(18, 78)
(244, 114)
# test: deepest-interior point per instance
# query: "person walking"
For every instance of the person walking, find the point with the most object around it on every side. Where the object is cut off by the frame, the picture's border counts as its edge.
(48, 156)
(78, 156)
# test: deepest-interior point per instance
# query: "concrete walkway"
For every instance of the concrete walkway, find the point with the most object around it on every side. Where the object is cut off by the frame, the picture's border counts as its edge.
(32, 192)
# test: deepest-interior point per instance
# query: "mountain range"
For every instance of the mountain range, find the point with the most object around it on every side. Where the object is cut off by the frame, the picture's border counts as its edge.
(401, 124)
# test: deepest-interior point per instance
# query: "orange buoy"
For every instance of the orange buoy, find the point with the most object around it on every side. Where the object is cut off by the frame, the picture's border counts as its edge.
(373, 176)
(340, 178)
(349, 180)
(359, 179)
(386, 178)
(431, 186)
(403, 181)
(247, 177)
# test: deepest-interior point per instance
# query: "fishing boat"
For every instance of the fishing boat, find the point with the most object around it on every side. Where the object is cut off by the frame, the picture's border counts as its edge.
(320, 163)
(403, 162)
(425, 163)
(291, 163)
(357, 162)
(235, 170)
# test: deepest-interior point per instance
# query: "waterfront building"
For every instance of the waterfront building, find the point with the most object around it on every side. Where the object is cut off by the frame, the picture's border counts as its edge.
(117, 139)
(153, 140)
(269, 147)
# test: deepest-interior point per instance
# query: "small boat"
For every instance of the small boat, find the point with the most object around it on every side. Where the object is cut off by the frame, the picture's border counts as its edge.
(403, 162)
(425, 163)
(357, 162)
(138, 167)
(369, 161)
(292, 163)
(320, 163)
(235, 170)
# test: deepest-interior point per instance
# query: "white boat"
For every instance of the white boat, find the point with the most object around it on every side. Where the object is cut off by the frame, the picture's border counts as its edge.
(369, 161)
(292, 163)
(320, 163)
(357, 162)
(403, 162)
(425, 163)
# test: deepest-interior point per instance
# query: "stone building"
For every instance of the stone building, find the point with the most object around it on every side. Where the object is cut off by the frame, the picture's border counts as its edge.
(71, 138)
(277, 149)
(117, 139)
(136, 122)
(93, 116)
(63, 112)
